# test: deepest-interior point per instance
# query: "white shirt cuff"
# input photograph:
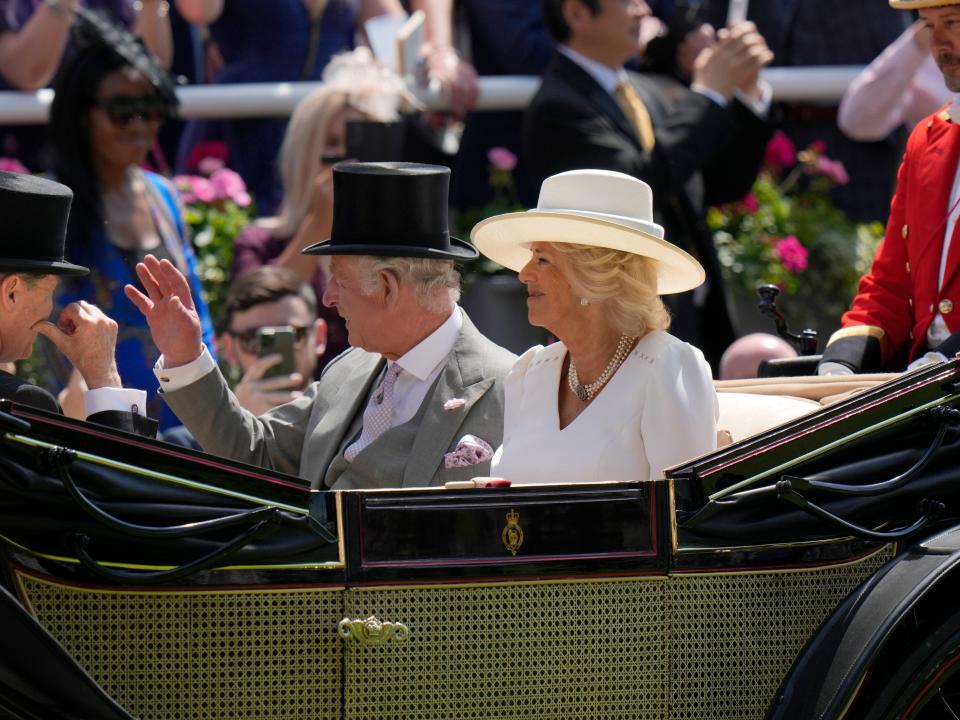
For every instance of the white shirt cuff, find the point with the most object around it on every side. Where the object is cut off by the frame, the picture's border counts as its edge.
(107, 398)
(179, 377)
(832, 368)
(718, 98)
(761, 106)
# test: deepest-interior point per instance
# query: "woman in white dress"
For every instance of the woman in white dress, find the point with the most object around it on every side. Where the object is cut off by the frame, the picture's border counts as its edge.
(617, 398)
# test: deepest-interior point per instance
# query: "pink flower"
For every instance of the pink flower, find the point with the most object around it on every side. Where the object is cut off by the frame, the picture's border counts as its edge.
(209, 165)
(792, 253)
(204, 150)
(502, 159)
(227, 184)
(780, 151)
(818, 146)
(750, 203)
(12, 165)
(832, 170)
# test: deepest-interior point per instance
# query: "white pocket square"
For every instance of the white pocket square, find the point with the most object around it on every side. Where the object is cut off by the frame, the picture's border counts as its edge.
(470, 451)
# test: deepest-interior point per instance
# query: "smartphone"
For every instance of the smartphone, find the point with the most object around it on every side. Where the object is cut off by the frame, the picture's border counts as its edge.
(277, 340)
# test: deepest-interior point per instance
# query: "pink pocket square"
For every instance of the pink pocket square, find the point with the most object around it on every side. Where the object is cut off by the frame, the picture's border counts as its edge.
(470, 451)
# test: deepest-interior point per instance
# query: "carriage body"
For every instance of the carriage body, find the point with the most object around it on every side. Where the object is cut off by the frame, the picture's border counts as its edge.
(730, 589)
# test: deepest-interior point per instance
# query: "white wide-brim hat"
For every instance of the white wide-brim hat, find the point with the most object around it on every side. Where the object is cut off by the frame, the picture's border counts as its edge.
(599, 208)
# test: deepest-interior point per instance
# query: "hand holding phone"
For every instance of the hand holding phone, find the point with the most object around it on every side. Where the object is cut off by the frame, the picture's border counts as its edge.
(277, 340)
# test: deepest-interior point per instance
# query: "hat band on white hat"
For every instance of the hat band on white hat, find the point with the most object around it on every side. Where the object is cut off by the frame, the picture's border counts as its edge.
(643, 226)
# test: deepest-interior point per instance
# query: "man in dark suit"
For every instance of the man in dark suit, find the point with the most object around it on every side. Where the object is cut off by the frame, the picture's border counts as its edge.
(696, 147)
(34, 212)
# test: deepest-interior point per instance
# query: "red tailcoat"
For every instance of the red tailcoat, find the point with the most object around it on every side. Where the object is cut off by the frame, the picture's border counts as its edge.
(899, 295)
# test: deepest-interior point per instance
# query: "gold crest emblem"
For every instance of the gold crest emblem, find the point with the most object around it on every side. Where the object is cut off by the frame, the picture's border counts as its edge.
(512, 534)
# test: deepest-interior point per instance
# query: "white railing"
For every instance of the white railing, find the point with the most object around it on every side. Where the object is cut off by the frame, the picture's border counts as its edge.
(510, 92)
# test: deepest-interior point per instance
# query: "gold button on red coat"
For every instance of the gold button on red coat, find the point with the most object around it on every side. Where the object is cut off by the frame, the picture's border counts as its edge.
(946, 306)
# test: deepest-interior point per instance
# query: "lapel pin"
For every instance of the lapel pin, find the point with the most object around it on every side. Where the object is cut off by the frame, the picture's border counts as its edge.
(454, 404)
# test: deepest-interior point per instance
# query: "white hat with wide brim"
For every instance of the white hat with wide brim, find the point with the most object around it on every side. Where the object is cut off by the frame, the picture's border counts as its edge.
(598, 208)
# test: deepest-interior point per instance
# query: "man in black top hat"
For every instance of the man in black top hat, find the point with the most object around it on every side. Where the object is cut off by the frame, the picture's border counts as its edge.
(417, 400)
(34, 213)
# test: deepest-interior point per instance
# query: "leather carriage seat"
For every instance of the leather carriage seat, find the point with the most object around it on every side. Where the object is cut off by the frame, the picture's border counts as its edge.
(751, 406)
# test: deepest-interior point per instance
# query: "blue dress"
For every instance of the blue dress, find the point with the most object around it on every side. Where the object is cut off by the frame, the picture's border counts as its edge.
(111, 268)
(261, 44)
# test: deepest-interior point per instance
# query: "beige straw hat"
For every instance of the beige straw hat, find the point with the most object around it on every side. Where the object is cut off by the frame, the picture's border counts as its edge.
(590, 207)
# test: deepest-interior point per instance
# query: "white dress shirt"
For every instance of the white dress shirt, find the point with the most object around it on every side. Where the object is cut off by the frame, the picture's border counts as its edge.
(107, 398)
(422, 365)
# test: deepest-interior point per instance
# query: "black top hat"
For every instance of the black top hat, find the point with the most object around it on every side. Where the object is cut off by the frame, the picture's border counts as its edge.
(393, 209)
(33, 217)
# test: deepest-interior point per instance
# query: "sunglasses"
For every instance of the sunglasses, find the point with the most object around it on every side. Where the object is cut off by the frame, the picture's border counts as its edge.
(122, 110)
(248, 340)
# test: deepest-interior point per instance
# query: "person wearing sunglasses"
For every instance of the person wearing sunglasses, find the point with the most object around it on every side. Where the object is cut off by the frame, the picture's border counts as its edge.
(270, 297)
(111, 99)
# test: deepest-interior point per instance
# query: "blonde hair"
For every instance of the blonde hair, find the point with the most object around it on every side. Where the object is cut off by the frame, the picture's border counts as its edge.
(435, 283)
(623, 284)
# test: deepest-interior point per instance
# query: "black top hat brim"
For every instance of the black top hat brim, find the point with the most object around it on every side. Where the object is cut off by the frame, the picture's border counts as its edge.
(459, 250)
(43, 267)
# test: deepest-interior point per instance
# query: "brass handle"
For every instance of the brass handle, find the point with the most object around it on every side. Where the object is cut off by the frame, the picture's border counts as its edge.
(372, 632)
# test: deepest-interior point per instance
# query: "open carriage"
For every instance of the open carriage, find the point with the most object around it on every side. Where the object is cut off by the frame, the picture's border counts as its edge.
(806, 571)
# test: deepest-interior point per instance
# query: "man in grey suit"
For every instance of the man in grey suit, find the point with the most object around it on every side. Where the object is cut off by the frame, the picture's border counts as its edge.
(418, 398)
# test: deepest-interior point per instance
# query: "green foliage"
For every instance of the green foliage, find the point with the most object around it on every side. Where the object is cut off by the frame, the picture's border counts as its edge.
(787, 232)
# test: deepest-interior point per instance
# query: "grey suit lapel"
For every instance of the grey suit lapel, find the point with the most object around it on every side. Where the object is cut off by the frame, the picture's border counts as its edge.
(463, 378)
(336, 415)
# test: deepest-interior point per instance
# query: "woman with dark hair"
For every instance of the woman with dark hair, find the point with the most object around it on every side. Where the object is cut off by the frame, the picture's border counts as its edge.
(110, 101)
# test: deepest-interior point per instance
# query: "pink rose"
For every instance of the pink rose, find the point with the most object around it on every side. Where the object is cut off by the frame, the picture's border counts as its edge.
(750, 203)
(12, 165)
(203, 190)
(792, 253)
(227, 184)
(832, 170)
(209, 165)
(502, 159)
(780, 151)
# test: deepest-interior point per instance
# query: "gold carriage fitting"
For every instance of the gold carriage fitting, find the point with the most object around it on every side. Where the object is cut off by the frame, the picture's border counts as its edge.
(804, 571)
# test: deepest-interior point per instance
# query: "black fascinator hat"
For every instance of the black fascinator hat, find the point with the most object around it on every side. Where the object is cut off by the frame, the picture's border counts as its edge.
(94, 30)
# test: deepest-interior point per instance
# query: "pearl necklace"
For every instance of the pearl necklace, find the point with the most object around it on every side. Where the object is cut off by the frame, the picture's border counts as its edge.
(586, 392)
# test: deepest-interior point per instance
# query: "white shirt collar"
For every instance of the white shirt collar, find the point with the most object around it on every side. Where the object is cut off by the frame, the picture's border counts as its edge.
(606, 76)
(954, 110)
(422, 359)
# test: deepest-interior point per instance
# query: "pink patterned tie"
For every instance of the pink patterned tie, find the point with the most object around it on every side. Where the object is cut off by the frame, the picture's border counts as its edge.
(377, 416)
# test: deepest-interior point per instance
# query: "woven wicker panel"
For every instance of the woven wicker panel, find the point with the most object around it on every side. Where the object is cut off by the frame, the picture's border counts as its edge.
(585, 650)
(733, 637)
(236, 655)
(711, 647)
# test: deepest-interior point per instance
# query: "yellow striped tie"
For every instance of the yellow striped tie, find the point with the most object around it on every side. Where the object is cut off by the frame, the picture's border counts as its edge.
(636, 113)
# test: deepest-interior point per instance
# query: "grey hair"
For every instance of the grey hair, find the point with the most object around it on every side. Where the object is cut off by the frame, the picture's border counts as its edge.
(436, 283)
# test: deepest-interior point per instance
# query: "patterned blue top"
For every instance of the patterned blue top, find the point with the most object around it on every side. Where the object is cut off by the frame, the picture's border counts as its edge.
(111, 268)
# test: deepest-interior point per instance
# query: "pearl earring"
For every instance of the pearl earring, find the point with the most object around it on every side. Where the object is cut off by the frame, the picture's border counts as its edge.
(584, 302)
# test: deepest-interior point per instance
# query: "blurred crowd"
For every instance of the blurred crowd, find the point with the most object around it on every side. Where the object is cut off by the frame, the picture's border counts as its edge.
(115, 140)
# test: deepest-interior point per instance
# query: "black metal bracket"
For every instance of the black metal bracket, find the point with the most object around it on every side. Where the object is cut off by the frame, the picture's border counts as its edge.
(806, 342)
(930, 510)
